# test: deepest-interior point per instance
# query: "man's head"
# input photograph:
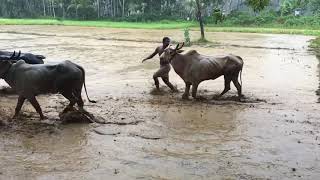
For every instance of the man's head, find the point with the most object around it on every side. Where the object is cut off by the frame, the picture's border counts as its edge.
(166, 41)
(169, 52)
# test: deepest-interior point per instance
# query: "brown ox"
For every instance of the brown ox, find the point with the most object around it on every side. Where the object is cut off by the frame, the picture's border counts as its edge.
(194, 68)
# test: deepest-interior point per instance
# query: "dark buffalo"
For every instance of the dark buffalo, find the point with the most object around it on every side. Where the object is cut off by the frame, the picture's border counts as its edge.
(27, 57)
(29, 81)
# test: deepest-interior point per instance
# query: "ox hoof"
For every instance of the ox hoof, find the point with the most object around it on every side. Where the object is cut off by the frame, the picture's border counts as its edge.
(185, 97)
(68, 108)
(15, 116)
(43, 117)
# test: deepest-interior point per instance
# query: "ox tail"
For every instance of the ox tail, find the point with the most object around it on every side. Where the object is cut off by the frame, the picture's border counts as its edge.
(84, 84)
(241, 79)
(240, 72)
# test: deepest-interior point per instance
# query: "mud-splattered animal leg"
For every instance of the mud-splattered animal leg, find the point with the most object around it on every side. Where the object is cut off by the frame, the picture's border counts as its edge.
(186, 91)
(227, 80)
(36, 105)
(21, 100)
(194, 90)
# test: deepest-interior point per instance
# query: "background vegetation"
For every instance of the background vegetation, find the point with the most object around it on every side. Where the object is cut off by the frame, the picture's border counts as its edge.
(156, 10)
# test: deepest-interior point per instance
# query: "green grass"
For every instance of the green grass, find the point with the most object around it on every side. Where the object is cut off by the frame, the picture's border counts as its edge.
(311, 32)
(315, 45)
(160, 25)
(110, 24)
(163, 25)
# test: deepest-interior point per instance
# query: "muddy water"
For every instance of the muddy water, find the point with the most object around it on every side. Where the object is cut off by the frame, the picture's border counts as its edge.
(273, 134)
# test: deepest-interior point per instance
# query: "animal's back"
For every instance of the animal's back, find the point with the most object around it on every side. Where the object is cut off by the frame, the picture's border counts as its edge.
(44, 78)
(236, 59)
(202, 67)
(33, 79)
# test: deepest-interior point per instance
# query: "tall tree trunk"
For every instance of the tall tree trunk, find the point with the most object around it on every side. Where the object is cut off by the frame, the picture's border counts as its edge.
(200, 19)
(122, 8)
(53, 11)
(77, 11)
(98, 8)
(63, 12)
(112, 8)
(44, 8)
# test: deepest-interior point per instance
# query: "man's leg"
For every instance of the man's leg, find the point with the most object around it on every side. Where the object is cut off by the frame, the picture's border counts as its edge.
(164, 74)
(167, 82)
(155, 78)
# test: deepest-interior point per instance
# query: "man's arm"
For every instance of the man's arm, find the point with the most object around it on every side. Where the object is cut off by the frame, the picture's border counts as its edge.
(151, 55)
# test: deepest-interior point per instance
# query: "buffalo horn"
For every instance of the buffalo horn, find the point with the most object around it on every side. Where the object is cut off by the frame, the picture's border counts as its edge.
(14, 54)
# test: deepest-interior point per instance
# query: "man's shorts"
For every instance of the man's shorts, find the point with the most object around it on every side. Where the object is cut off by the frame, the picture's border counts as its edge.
(163, 71)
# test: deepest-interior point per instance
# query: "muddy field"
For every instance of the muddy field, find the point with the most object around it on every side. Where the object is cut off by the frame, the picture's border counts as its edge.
(273, 134)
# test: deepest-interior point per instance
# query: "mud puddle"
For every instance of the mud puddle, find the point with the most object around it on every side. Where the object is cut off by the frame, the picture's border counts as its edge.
(272, 134)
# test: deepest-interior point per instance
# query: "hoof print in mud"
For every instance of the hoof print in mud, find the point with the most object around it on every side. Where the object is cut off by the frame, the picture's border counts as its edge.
(76, 116)
(2, 123)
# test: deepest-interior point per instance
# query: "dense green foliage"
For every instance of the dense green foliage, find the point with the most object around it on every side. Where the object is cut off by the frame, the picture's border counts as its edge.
(288, 6)
(214, 11)
(128, 10)
(269, 19)
(315, 44)
(258, 5)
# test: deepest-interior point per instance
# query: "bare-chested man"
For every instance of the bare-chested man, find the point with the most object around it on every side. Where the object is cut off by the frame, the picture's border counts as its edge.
(163, 72)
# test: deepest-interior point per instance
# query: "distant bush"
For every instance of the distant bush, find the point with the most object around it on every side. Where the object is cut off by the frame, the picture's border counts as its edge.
(240, 18)
(315, 6)
(315, 44)
(269, 18)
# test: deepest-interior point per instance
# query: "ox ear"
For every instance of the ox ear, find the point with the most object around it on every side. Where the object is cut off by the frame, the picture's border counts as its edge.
(4, 67)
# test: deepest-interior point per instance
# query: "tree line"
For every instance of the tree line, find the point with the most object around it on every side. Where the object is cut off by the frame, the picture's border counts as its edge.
(131, 10)
(96, 9)
(135, 10)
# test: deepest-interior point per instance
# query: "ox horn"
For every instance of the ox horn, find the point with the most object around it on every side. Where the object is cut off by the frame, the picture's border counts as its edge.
(13, 55)
(18, 55)
(180, 46)
(177, 46)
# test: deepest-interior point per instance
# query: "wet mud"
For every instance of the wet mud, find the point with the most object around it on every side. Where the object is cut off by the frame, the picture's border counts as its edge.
(141, 133)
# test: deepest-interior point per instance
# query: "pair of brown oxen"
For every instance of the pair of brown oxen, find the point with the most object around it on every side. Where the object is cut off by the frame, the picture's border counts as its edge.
(67, 78)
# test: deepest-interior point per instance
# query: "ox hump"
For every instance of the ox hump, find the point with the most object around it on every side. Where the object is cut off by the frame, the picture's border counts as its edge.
(20, 62)
(192, 53)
